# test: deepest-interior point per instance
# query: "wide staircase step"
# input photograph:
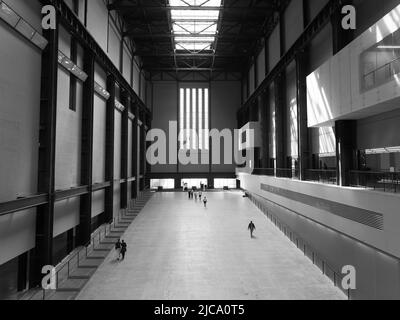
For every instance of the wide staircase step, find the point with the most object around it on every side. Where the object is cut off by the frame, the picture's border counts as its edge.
(73, 282)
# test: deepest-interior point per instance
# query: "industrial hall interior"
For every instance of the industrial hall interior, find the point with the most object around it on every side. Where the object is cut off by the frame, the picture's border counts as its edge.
(199, 150)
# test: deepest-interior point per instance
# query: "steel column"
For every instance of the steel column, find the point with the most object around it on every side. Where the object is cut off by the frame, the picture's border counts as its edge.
(280, 120)
(85, 217)
(42, 254)
(340, 37)
(124, 149)
(302, 120)
(110, 130)
(346, 150)
(265, 124)
(135, 172)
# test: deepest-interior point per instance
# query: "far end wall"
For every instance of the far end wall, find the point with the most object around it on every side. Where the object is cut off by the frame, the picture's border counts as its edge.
(225, 100)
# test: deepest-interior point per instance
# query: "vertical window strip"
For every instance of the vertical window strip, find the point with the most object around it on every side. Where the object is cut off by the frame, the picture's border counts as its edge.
(194, 118)
(200, 94)
(206, 119)
(181, 117)
(187, 127)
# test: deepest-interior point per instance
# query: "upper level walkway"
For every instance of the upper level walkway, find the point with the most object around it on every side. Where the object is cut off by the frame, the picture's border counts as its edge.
(177, 249)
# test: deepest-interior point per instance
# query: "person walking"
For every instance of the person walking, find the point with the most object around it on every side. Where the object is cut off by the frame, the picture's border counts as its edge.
(205, 201)
(123, 249)
(200, 195)
(118, 249)
(195, 196)
(251, 227)
(189, 194)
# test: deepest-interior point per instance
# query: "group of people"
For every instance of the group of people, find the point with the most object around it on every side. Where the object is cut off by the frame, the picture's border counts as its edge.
(120, 249)
(197, 195)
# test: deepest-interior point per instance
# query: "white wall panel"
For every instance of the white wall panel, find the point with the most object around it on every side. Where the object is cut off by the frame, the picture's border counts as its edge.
(294, 23)
(19, 130)
(127, 70)
(274, 54)
(114, 45)
(251, 80)
(261, 67)
(97, 17)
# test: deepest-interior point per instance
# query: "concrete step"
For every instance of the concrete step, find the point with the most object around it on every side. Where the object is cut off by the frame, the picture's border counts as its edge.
(82, 272)
(71, 285)
(95, 258)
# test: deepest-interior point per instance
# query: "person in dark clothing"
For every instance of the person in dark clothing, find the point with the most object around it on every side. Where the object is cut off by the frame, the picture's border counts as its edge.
(251, 227)
(118, 249)
(205, 201)
(123, 249)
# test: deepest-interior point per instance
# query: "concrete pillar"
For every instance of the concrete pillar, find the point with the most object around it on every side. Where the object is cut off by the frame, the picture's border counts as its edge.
(280, 120)
(302, 121)
(346, 149)
(265, 127)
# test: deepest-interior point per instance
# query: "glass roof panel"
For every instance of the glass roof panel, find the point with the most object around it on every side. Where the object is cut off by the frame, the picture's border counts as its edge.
(193, 46)
(195, 39)
(203, 3)
(194, 22)
(194, 27)
(195, 14)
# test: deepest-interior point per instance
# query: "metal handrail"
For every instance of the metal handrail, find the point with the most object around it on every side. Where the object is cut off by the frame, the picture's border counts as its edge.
(283, 227)
(374, 72)
(384, 180)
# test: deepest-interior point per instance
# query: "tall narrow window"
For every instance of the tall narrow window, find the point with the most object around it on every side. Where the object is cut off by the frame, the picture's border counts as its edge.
(201, 118)
(181, 117)
(206, 120)
(188, 113)
(194, 118)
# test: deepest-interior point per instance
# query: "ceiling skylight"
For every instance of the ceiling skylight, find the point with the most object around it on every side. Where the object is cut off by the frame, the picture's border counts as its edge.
(194, 29)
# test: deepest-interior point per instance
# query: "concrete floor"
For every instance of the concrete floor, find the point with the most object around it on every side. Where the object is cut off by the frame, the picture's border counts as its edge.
(179, 250)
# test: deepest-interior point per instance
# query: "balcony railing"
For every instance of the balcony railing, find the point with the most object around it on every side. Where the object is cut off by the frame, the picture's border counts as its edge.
(287, 173)
(264, 172)
(383, 181)
(322, 176)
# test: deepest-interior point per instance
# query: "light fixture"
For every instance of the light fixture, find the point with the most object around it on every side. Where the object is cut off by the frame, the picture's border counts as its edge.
(70, 66)
(389, 47)
(39, 41)
(383, 150)
(23, 27)
(101, 91)
(119, 106)
(8, 15)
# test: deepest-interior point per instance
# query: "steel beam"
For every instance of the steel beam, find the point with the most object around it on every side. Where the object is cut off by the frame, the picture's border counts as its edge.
(22, 204)
(71, 193)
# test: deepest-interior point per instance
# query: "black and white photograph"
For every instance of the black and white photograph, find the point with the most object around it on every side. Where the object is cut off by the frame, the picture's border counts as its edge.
(196, 156)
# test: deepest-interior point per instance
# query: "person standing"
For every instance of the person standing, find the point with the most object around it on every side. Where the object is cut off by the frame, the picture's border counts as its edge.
(118, 249)
(123, 249)
(195, 196)
(200, 195)
(251, 227)
(205, 201)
